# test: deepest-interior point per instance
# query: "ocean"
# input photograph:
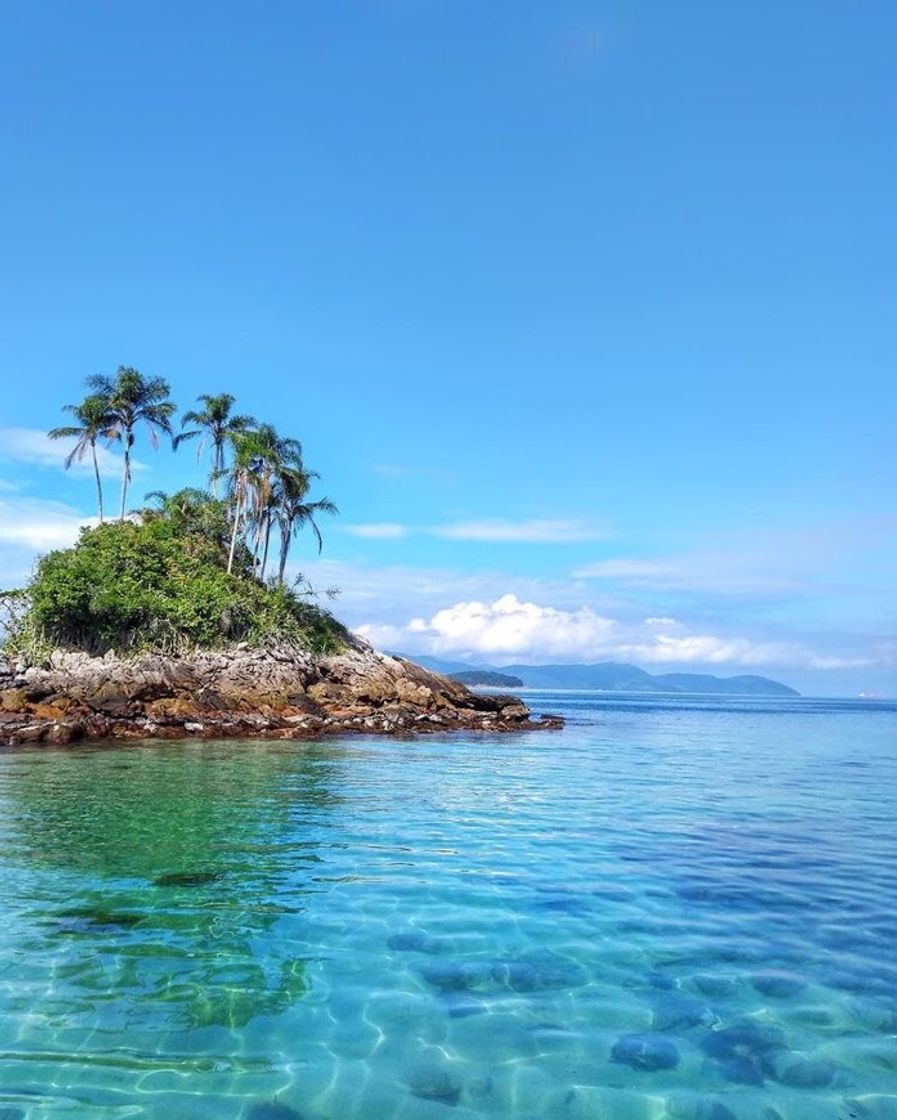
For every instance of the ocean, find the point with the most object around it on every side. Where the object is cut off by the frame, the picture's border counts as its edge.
(673, 909)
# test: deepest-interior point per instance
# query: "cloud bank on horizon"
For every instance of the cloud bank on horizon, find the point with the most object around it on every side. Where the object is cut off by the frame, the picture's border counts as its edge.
(511, 630)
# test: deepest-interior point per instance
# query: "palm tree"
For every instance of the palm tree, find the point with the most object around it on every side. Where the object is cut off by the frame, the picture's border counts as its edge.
(277, 455)
(243, 482)
(214, 422)
(94, 421)
(134, 399)
(183, 507)
(293, 511)
(191, 511)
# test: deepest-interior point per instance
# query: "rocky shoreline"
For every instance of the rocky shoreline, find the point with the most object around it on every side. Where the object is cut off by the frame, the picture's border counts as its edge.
(243, 693)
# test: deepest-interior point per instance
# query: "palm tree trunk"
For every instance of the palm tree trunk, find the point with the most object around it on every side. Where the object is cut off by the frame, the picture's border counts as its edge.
(286, 533)
(96, 471)
(126, 474)
(255, 548)
(267, 542)
(217, 463)
(233, 537)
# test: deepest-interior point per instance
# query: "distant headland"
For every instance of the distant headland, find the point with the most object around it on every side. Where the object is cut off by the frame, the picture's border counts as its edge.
(607, 676)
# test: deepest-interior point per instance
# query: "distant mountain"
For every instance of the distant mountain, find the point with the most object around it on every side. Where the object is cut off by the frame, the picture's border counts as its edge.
(486, 677)
(614, 676)
(747, 685)
(607, 675)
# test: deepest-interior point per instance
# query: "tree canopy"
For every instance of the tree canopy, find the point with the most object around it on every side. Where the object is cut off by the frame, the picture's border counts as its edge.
(267, 484)
(188, 570)
(160, 584)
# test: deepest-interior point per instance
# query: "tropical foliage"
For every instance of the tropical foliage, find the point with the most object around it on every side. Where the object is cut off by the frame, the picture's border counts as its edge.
(131, 400)
(190, 569)
(94, 421)
(215, 424)
(265, 480)
(160, 584)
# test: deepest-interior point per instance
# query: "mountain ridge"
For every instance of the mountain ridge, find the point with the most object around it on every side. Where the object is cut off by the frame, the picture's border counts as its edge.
(616, 676)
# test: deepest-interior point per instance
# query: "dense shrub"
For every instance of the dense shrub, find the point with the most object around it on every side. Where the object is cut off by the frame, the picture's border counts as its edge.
(156, 586)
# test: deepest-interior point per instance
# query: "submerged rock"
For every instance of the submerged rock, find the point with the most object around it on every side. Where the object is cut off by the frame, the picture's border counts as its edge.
(272, 1110)
(709, 984)
(413, 941)
(648, 1052)
(678, 1012)
(455, 976)
(696, 1108)
(540, 972)
(743, 1070)
(96, 917)
(744, 1051)
(416, 941)
(187, 879)
(873, 1015)
(434, 1083)
(780, 985)
(544, 972)
(462, 1006)
(805, 1073)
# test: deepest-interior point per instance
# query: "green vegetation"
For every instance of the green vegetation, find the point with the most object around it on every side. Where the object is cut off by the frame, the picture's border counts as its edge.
(486, 678)
(188, 571)
(94, 422)
(215, 424)
(132, 399)
(161, 584)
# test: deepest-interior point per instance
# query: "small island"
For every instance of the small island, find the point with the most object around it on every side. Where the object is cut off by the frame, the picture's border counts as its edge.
(486, 678)
(166, 622)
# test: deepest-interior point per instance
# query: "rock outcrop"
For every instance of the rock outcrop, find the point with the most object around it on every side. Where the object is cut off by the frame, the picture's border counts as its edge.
(242, 692)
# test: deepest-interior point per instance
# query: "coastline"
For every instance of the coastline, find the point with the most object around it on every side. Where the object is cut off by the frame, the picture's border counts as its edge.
(241, 692)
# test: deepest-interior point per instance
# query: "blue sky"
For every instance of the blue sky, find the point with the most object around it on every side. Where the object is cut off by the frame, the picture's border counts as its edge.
(585, 312)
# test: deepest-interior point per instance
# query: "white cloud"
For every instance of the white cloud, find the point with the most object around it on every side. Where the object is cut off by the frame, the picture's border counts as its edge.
(40, 525)
(817, 662)
(379, 530)
(31, 445)
(512, 629)
(710, 650)
(533, 531)
(507, 627)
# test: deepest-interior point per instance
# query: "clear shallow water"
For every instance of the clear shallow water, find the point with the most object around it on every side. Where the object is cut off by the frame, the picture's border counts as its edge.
(671, 910)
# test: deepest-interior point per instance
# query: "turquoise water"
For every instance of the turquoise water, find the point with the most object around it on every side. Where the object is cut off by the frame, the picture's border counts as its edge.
(675, 909)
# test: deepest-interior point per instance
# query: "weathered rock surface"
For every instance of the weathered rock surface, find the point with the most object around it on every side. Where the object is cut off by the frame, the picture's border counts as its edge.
(241, 692)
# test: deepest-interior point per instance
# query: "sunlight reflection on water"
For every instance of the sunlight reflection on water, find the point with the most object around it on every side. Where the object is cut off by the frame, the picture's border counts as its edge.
(677, 909)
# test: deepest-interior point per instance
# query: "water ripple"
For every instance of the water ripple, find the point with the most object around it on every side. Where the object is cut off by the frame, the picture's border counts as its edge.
(675, 909)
